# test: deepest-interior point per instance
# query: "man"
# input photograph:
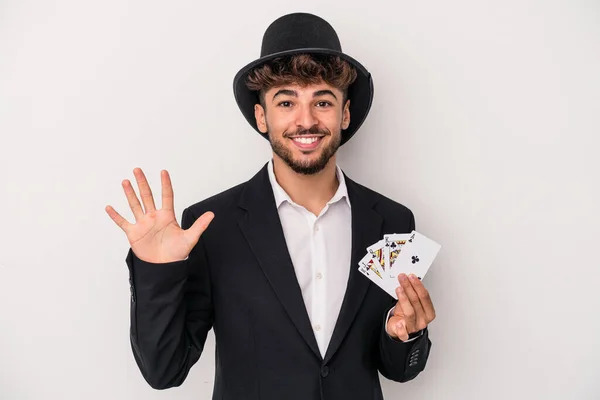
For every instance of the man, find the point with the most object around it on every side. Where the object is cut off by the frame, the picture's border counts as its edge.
(275, 275)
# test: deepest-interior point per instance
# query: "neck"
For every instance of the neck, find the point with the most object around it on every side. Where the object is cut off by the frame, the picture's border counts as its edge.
(310, 191)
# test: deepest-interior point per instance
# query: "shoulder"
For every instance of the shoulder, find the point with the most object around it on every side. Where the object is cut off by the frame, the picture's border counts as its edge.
(225, 201)
(382, 204)
(228, 204)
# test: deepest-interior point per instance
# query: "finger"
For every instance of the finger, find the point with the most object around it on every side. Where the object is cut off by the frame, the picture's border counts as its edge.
(424, 297)
(404, 306)
(132, 200)
(167, 191)
(412, 296)
(145, 192)
(397, 328)
(119, 220)
(198, 227)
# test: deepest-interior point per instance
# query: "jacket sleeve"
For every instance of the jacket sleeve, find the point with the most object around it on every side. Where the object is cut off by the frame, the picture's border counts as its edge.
(171, 313)
(403, 361)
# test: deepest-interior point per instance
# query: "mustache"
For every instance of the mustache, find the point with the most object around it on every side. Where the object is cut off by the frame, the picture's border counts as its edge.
(313, 130)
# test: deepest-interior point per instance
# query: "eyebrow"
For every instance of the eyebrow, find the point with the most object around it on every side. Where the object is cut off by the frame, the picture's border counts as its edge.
(293, 93)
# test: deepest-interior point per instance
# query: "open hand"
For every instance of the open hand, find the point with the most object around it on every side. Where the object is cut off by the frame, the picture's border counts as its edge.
(156, 236)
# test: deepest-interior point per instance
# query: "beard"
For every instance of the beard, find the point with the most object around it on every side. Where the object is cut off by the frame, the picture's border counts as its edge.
(307, 167)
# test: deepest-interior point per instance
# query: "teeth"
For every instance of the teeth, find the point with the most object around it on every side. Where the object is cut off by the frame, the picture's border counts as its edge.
(306, 140)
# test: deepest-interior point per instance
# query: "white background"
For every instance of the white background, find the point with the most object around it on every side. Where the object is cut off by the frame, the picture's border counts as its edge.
(485, 123)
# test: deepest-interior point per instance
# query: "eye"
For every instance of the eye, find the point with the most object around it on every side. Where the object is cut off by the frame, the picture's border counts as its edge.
(323, 104)
(285, 104)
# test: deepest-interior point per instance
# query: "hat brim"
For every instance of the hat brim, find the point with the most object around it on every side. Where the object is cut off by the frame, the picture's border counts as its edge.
(360, 92)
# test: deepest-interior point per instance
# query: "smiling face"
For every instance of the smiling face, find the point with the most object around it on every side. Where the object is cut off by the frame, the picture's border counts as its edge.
(304, 123)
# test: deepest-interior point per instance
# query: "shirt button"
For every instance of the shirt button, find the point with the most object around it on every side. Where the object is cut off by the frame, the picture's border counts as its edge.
(316, 228)
(317, 328)
(319, 276)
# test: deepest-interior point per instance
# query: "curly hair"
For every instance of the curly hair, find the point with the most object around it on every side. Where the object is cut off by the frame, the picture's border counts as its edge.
(303, 70)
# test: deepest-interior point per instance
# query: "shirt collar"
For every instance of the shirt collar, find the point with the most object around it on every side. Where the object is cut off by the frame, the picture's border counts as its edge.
(281, 195)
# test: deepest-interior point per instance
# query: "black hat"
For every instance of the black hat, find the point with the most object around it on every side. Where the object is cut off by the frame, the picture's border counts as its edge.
(305, 33)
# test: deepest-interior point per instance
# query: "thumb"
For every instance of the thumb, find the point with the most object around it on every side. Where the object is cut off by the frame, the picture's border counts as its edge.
(199, 226)
(401, 332)
(396, 327)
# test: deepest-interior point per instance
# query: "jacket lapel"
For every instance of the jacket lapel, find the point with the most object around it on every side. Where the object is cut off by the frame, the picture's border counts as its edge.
(263, 231)
(366, 230)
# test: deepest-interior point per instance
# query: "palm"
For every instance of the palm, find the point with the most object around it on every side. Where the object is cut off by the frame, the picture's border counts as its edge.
(156, 236)
(159, 237)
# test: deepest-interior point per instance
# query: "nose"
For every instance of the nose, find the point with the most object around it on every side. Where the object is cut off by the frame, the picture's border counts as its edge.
(306, 117)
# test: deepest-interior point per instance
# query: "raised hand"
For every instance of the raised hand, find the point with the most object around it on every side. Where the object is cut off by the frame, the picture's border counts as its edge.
(414, 310)
(156, 236)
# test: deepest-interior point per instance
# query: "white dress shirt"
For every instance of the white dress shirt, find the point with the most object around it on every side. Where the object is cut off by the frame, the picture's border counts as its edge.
(320, 248)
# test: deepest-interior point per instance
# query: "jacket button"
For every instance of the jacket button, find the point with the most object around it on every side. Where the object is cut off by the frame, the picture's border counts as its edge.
(325, 371)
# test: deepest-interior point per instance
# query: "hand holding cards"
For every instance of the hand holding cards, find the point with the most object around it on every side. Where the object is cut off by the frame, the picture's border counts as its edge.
(408, 253)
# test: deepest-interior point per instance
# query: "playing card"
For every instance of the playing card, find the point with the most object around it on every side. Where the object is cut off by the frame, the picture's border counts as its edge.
(370, 265)
(392, 246)
(416, 256)
(376, 251)
(371, 268)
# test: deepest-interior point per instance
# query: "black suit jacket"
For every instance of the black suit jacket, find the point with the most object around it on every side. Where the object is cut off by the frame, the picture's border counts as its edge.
(239, 280)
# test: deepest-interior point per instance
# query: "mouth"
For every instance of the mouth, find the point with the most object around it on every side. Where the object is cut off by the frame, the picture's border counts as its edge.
(307, 142)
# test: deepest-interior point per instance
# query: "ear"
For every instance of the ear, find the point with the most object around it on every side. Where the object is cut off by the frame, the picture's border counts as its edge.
(346, 115)
(259, 115)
